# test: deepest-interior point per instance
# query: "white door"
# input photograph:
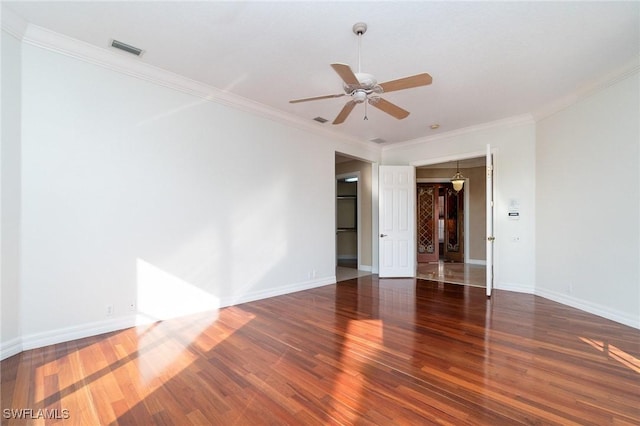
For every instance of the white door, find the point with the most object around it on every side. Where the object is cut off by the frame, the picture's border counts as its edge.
(490, 237)
(397, 218)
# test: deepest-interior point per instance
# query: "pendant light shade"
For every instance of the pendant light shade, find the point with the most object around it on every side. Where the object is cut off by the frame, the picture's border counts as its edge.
(457, 180)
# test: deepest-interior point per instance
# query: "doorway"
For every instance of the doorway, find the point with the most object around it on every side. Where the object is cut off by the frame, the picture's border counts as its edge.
(347, 212)
(440, 216)
(451, 226)
(354, 217)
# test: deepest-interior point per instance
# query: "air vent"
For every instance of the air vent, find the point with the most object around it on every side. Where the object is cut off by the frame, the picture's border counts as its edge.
(126, 47)
(320, 120)
(378, 140)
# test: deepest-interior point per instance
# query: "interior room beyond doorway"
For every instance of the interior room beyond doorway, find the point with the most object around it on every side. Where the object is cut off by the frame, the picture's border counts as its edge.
(353, 217)
(451, 226)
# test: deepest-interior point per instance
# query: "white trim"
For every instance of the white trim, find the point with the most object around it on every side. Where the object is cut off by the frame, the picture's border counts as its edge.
(515, 287)
(17, 345)
(505, 122)
(592, 308)
(448, 158)
(365, 268)
(13, 24)
(60, 335)
(593, 87)
(10, 348)
(476, 262)
(490, 217)
(347, 257)
(279, 291)
(121, 62)
(52, 337)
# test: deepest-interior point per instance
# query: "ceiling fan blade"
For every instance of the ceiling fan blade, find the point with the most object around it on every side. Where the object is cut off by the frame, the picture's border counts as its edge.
(295, 101)
(346, 110)
(417, 80)
(346, 74)
(389, 108)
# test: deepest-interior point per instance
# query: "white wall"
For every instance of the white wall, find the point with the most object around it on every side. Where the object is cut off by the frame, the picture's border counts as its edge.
(116, 190)
(10, 190)
(131, 191)
(587, 202)
(513, 145)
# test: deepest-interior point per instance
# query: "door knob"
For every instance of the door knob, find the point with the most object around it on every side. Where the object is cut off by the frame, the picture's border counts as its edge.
(383, 235)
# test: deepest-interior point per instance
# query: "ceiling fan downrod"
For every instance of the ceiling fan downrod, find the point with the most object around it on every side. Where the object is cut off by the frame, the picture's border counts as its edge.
(359, 29)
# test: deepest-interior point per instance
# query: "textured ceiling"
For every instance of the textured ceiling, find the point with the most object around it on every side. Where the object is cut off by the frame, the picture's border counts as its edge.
(488, 60)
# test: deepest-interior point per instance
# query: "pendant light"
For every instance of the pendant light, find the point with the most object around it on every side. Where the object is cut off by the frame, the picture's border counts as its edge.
(457, 180)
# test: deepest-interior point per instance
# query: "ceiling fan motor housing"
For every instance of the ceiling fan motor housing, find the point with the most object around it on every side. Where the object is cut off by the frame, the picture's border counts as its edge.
(366, 82)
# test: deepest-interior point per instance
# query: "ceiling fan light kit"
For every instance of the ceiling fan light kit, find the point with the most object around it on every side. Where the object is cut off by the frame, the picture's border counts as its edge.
(363, 87)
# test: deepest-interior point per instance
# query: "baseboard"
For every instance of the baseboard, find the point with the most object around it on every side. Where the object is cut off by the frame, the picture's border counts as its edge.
(36, 340)
(477, 262)
(279, 291)
(10, 348)
(365, 268)
(517, 288)
(592, 308)
(347, 257)
(52, 337)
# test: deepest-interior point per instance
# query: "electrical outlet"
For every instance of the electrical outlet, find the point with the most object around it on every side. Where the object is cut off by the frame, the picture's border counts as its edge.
(132, 306)
(109, 310)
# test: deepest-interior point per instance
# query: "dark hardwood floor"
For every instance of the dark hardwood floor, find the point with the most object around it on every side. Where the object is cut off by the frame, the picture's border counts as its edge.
(365, 351)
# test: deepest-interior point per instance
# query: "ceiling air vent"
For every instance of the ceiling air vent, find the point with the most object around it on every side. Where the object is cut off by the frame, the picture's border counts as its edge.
(320, 120)
(126, 47)
(378, 140)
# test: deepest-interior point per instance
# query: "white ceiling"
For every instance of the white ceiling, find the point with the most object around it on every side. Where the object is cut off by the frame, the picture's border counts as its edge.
(488, 60)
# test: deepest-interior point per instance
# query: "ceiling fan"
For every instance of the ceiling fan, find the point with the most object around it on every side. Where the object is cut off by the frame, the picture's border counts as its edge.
(363, 87)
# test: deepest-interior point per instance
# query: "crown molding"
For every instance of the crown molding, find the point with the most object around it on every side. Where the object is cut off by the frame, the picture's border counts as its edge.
(589, 89)
(13, 24)
(503, 123)
(122, 63)
(619, 74)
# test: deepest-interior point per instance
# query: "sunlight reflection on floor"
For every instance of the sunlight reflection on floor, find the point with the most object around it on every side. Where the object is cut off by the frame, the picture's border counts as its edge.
(350, 382)
(615, 353)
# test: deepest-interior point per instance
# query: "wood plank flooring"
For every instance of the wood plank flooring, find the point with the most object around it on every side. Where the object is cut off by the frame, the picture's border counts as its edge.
(364, 351)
